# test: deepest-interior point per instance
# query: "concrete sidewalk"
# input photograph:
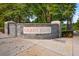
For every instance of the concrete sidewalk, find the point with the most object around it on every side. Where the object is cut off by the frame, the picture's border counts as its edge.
(75, 46)
(19, 46)
(57, 47)
(39, 47)
(2, 35)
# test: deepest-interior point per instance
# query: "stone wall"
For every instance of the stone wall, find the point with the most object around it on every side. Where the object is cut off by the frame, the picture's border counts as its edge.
(35, 30)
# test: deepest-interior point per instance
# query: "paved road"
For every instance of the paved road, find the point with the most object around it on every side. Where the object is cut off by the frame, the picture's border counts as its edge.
(41, 47)
(76, 46)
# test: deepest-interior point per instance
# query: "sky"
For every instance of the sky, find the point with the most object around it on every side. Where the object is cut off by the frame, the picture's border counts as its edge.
(76, 15)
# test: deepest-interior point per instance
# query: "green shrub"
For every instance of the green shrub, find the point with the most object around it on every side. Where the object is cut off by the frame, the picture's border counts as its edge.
(67, 33)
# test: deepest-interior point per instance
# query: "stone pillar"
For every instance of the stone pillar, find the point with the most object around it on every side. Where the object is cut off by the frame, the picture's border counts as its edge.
(6, 28)
(19, 29)
(59, 26)
(11, 28)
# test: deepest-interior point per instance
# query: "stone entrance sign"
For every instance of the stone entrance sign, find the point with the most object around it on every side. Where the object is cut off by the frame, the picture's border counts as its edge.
(36, 30)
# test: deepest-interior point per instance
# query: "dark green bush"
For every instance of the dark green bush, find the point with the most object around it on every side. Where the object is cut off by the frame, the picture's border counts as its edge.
(67, 33)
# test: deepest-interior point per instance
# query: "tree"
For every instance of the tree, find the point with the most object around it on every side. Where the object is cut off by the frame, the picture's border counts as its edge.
(76, 25)
(45, 13)
(15, 12)
(68, 14)
(49, 12)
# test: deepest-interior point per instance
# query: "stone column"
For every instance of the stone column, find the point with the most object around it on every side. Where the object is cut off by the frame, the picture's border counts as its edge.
(19, 29)
(11, 28)
(6, 28)
(59, 26)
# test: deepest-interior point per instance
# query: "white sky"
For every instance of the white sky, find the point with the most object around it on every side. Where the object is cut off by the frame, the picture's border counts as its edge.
(76, 16)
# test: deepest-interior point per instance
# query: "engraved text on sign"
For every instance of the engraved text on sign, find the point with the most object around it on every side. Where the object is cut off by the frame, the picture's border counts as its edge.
(36, 30)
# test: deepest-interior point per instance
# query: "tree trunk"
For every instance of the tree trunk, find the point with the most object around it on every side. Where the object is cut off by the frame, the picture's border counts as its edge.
(49, 18)
(69, 25)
